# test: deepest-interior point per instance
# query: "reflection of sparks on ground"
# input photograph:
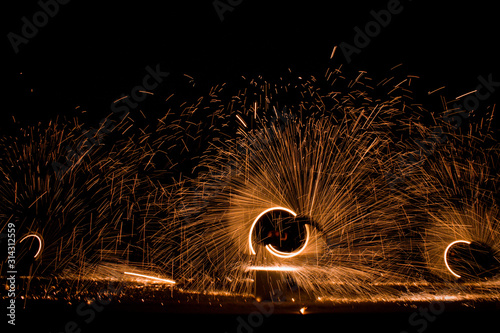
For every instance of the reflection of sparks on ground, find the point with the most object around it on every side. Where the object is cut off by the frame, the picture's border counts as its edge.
(148, 277)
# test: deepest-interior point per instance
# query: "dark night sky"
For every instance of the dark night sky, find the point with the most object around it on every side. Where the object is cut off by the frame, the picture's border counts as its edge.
(91, 52)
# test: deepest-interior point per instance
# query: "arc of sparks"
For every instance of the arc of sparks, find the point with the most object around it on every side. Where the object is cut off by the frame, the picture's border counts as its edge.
(252, 250)
(150, 277)
(446, 255)
(40, 243)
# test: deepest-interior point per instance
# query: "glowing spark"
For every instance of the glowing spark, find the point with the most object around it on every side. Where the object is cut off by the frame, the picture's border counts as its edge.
(252, 250)
(446, 255)
(470, 92)
(291, 254)
(241, 120)
(333, 51)
(303, 310)
(40, 243)
(150, 277)
(433, 91)
(37, 199)
(119, 99)
(273, 268)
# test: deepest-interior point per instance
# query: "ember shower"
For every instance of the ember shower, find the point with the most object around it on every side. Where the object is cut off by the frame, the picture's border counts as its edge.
(292, 178)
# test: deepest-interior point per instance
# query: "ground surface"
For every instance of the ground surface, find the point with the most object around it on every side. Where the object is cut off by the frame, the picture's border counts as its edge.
(67, 306)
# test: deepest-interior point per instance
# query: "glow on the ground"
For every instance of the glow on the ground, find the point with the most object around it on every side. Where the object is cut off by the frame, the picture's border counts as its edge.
(40, 243)
(250, 245)
(446, 255)
(150, 277)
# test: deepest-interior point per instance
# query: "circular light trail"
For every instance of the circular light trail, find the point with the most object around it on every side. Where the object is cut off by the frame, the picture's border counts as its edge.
(252, 250)
(446, 255)
(269, 247)
(40, 243)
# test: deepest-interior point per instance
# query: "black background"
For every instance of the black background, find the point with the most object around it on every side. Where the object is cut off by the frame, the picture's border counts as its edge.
(91, 52)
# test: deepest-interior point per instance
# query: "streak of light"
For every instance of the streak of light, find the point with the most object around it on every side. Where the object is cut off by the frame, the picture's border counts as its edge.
(252, 250)
(333, 51)
(446, 255)
(470, 92)
(37, 199)
(150, 277)
(119, 99)
(40, 243)
(241, 120)
(432, 92)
